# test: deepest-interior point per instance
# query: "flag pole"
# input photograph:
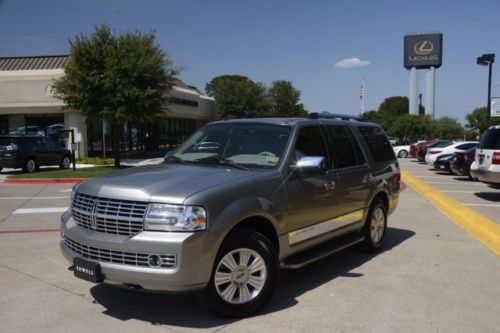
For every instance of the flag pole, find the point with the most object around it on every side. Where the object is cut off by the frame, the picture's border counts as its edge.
(362, 95)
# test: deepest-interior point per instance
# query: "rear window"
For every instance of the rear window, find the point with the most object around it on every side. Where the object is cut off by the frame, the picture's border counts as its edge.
(490, 139)
(377, 142)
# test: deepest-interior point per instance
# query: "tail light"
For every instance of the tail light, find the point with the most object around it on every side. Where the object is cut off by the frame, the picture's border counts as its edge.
(496, 158)
(432, 152)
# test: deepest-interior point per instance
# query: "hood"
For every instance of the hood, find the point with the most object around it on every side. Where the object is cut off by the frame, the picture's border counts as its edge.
(169, 183)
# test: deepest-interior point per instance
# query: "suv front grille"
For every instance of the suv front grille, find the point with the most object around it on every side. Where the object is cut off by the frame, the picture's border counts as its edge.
(118, 256)
(110, 216)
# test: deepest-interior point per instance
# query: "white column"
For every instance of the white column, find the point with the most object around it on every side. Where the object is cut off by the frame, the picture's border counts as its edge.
(413, 91)
(75, 120)
(430, 92)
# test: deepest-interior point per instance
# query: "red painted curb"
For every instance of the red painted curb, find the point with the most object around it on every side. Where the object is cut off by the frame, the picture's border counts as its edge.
(43, 181)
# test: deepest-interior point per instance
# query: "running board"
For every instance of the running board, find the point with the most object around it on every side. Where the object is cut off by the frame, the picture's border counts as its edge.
(321, 251)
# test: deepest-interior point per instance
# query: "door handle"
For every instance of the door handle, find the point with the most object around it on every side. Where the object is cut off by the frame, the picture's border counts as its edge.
(368, 178)
(330, 185)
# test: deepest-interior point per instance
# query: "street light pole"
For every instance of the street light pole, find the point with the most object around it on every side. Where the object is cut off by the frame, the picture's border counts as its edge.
(488, 116)
(487, 60)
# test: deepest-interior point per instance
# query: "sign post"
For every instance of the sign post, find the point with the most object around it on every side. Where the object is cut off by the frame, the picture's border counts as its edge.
(423, 51)
(495, 106)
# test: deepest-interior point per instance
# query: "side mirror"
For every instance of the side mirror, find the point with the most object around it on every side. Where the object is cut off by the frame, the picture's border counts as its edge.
(308, 164)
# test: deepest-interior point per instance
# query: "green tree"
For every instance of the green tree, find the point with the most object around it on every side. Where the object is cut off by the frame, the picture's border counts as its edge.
(447, 128)
(476, 120)
(372, 116)
(237, 96)
(116, 77)
(409, 128)
(284, 100)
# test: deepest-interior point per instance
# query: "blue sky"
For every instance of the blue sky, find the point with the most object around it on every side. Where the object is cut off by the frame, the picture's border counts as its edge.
(299, 41)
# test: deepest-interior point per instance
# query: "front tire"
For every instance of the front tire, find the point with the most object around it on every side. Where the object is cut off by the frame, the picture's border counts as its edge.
(375, 227)
(243, 277)
(403, 154)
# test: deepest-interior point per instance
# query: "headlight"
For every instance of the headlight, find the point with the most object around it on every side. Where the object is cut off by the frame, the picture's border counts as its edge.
(162, 217)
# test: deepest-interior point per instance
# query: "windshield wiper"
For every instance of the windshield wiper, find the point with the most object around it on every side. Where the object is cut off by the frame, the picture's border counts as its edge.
(176, 159)
(221, 161)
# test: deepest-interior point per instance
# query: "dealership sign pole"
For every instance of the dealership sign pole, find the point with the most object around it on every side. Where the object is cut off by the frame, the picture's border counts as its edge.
(423, 51)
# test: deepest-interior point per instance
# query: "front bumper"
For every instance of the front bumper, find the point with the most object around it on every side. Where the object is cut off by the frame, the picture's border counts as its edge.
(192, 264)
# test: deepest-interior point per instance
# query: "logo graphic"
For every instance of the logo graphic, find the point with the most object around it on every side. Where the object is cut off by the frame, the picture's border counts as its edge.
(423, 47)
(93, 216)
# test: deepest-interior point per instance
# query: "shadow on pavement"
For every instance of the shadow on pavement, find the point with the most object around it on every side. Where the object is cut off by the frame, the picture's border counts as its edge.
(490, 196)
(185, 311)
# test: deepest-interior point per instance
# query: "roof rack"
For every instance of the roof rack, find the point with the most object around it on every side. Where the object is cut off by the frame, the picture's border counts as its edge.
(327, 115)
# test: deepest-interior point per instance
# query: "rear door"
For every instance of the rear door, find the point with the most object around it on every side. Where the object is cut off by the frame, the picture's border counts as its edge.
(352, 171)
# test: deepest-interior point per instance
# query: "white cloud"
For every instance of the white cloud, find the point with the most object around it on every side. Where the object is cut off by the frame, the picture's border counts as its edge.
(351, 63)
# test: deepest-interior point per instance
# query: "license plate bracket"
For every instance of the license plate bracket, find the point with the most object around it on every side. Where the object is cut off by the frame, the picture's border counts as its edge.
(87, 270)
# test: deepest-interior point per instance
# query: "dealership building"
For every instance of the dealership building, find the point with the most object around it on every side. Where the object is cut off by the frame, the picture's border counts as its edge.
(27, 106)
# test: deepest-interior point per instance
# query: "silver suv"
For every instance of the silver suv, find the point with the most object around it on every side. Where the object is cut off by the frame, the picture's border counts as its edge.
(237, 201)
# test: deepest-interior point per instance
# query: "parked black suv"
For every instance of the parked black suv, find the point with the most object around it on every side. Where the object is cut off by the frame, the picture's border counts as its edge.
(29, 152)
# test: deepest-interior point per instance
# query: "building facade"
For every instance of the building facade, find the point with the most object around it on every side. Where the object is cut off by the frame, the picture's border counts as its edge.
(27, 106)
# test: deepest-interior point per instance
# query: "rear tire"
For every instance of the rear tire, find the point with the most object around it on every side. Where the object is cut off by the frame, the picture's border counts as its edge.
(243, 277)
(375, 227)
(30, 165)
(403, 154)
(65, 163)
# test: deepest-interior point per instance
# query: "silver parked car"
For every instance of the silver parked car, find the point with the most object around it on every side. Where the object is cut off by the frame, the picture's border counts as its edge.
(237, 201)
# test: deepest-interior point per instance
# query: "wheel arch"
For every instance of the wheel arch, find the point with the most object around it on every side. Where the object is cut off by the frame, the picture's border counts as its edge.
(259, 224)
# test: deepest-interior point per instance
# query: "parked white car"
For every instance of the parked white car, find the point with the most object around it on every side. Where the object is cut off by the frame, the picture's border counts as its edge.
(401, 151)
(456, 147)
(486, 166)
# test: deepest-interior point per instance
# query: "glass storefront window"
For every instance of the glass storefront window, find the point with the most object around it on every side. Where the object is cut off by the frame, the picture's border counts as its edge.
(164, 134)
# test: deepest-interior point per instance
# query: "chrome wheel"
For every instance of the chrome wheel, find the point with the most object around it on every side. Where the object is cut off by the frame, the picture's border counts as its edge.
(403, 154)
(30, 165)
(66, 163)
(377, 225)
(240, 276)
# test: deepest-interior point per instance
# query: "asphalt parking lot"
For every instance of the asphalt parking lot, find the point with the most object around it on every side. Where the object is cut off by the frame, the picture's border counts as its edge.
(431, 276)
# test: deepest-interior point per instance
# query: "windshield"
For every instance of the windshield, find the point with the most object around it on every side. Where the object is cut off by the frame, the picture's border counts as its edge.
(245, 145)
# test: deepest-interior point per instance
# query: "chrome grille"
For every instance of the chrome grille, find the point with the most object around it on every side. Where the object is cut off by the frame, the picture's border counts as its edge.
(110, 216)
(118, 256)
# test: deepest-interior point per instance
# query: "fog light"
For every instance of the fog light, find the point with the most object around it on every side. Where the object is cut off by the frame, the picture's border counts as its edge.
(154, 260)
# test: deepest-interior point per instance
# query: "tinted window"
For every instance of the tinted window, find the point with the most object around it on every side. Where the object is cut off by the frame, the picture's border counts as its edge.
(490, 139)
(466, 146)
(310, 142)
(377, 142)
(345, 148)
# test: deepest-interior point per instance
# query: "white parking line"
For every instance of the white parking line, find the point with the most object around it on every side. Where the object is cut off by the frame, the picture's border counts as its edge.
(448, 183)
(40, 210)
(29, 198)
(459, 191)
(481, 205)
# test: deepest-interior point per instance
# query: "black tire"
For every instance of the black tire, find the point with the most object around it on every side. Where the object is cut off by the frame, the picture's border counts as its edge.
(30, 165)
(65, 163)
(260, 254)
(403, 154)
(375, 227)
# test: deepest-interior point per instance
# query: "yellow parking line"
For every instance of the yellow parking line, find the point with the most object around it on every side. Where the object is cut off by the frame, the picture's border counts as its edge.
(478, 226)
